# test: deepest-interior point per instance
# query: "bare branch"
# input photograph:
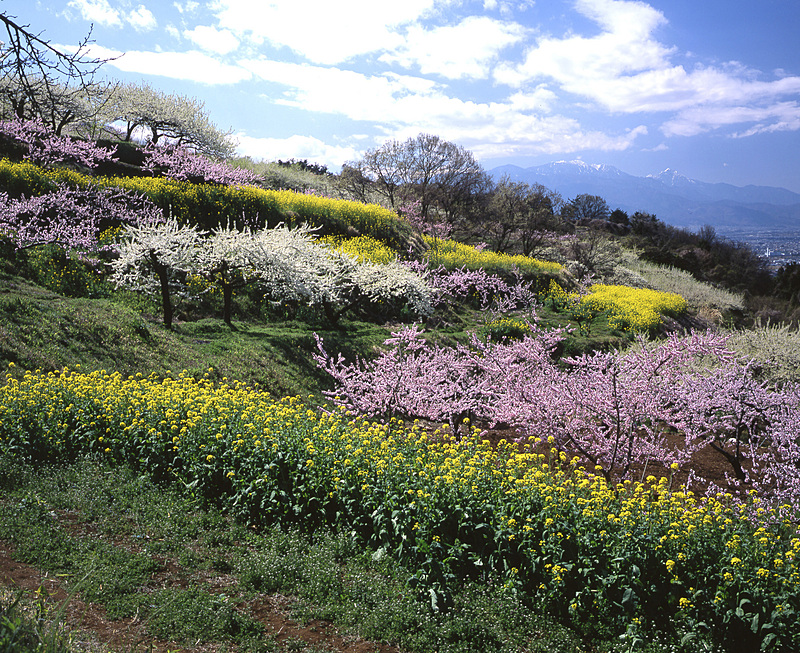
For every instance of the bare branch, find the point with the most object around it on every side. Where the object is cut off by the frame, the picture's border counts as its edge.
(39, 80)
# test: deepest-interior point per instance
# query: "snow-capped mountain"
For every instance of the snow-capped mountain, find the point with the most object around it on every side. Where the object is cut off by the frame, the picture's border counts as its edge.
(672, 197)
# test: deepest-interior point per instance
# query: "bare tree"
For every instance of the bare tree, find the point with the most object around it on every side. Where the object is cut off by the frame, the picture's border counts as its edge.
(38, 80)
(443, 177)
(520, 215)
(352, 184)
(386, 167)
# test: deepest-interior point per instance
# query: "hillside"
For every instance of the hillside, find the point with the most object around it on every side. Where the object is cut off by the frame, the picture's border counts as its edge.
(415, 441)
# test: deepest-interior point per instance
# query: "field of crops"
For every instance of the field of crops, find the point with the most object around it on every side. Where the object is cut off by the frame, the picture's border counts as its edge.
(610, 559)
(637, 309)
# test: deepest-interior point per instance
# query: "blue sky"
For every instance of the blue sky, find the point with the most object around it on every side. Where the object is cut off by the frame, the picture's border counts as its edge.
(710, 88)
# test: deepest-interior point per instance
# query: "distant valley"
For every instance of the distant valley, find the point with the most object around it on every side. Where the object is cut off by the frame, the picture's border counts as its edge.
(677, 200)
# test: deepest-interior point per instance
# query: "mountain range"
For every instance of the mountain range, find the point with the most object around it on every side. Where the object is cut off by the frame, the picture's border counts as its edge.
(671, 197)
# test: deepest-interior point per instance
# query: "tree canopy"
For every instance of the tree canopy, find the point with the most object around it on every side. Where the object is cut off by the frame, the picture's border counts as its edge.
(178, 118)
(436, 172)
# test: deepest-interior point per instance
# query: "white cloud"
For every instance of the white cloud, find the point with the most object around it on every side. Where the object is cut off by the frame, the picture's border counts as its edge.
(192, 65)
(97, 11)
(186, 7)
(213, 39)
(333, 90)
(782, 116)
(582, 64)
(441, 50)
(102, 13)
(141, 19)
(295, 147)
(402, 106)
(320, 30)
(624, 69)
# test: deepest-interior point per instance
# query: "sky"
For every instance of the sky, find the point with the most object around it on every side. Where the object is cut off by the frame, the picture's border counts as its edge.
(710, 88)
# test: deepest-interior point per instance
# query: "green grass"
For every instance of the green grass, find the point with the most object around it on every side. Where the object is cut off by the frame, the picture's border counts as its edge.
(30, 624)
(150, 551)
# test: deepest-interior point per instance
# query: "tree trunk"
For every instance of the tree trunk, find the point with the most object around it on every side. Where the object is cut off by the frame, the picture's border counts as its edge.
(733, 459)
(163, 278)
(330, 312)
(227, 301)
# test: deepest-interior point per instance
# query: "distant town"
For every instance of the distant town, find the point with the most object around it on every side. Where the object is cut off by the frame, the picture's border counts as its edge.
(778, 247)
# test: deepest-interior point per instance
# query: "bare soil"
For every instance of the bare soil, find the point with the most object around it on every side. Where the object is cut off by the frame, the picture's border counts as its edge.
(93, 631)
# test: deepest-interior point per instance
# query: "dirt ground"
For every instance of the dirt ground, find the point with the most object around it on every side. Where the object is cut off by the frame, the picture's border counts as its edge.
(92, 631)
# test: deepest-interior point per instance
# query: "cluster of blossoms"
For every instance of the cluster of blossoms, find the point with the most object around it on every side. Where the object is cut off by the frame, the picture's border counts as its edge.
(482, 289)
(44, 148)
(71, 217)
(179, 163)
(411, 211)
(632, 554)
(619, 411)
(288, 264)
(72, 214)
(364, 248)
(636, 309)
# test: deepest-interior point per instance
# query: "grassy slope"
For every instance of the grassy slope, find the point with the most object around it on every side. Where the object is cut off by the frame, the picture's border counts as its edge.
(42, 330)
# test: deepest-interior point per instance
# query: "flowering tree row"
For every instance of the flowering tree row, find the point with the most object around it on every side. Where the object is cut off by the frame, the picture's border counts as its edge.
(178, 162)
(287, 263)
(71, 217)
(622, 412)
(41, 146)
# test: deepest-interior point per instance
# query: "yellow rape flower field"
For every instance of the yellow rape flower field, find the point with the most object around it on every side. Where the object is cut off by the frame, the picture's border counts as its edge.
(637, 309)
(635, 553)
(363, 248)
(452, 254)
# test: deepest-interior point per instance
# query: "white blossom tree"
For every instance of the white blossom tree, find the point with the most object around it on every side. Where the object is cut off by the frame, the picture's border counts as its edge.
(356, 283)
(180, 119)
(290, 265)
(153, 256)
(287, 263)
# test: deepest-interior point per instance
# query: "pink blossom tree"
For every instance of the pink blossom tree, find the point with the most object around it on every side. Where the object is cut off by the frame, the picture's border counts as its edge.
(70, 217)
(180, 163)
(623, 412)
(43, 147)
(410, 378)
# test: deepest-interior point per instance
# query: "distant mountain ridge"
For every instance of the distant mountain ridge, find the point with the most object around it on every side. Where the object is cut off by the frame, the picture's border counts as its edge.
(673, 198)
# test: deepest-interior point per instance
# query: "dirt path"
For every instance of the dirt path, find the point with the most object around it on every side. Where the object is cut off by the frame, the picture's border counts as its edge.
(93, 632)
